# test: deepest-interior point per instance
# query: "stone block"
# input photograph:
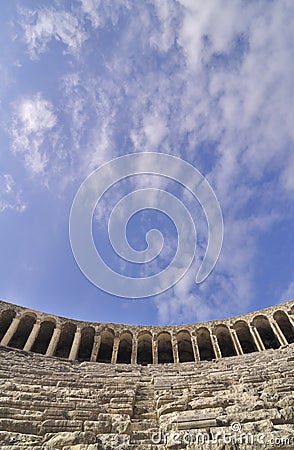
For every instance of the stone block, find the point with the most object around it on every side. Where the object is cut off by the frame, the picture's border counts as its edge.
(19, 426)
(99, 426)
(58, 426)
(60, 440)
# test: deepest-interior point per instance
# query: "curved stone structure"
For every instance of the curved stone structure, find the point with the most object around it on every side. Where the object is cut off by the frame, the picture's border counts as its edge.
(29, 330)
(69, 384)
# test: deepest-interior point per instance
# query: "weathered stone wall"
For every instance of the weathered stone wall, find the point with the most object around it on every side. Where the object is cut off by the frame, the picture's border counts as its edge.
(53, 403)
(228, 384)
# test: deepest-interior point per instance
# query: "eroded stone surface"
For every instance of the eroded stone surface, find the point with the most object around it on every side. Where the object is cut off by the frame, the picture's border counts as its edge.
(59, 404)
(231, 402)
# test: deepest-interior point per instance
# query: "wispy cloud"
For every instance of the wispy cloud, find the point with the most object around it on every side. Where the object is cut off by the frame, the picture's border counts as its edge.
(210, 82)
(288, 294)
(99, 12)
(45, 24)
(10, 195)
(32, 124)
(212, 73)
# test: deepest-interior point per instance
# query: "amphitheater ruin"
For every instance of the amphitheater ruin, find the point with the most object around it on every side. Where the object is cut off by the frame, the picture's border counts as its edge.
(68, 384)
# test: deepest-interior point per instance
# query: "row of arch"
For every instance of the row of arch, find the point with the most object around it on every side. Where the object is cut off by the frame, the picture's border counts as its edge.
(66, 340)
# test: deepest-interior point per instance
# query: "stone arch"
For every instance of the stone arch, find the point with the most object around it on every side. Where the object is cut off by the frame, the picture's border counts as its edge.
(50, 318)
(29, 313)
(68, 330)
(165, 350)
(225, 341)
(205, 346)
(144, 350)
(285, 325)
(44, 336)
(6, 317)
(245, 338)
(106, 346)
(185, 348)
(124, 353)
(265, 331)
(86, 344)
(23, 331)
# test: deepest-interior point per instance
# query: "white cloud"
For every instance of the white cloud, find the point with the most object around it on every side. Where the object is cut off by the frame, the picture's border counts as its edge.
(226, 79)
(43, 25)
(90, 9)
(75, 106)
(163, 37)
(287, 177)
(175, 76)
(231, 280)
(288, 294)
(10, 195)
(32, 122)
(98, 12)
(155, 131)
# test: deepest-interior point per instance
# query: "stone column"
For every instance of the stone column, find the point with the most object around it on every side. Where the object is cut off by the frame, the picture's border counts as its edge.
(95, 348)
(115, 350)
(256, 337)
(134, 350)
(154, 344)
(11, 330)
(236, 342)
(215, 345)
(278, 332)
(75, 345)
(175, 348)
(53, 341)
(32, 337)
(195, 348)
(290, 319)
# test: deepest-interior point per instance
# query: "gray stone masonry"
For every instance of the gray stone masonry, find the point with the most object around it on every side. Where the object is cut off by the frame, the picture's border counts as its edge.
(240, 401)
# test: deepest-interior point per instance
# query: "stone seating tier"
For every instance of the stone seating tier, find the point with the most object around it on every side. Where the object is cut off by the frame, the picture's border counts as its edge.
(241, 401)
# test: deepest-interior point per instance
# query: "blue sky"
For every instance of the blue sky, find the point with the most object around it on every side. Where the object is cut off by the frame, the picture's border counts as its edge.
(85, 81)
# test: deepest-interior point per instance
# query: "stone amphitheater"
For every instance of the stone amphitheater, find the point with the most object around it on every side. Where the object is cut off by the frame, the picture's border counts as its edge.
(68, 384)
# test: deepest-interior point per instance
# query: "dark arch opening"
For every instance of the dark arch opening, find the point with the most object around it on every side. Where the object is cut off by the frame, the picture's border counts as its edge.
(44, 336)
(66, 339)
(144, 350)
(265, 332)
(23, 331)
(86, 344)
(245, 338)
(286, 327)
(125, 348)
(6, 318)
(165, 351)
(204, 344)
(106, 346)
(225, 341)
(185, 348)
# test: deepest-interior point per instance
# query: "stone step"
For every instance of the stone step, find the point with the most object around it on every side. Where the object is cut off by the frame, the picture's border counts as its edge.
(143, 424)
(10, 439)
(144, 415)
(143, 436)
(212, 397)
